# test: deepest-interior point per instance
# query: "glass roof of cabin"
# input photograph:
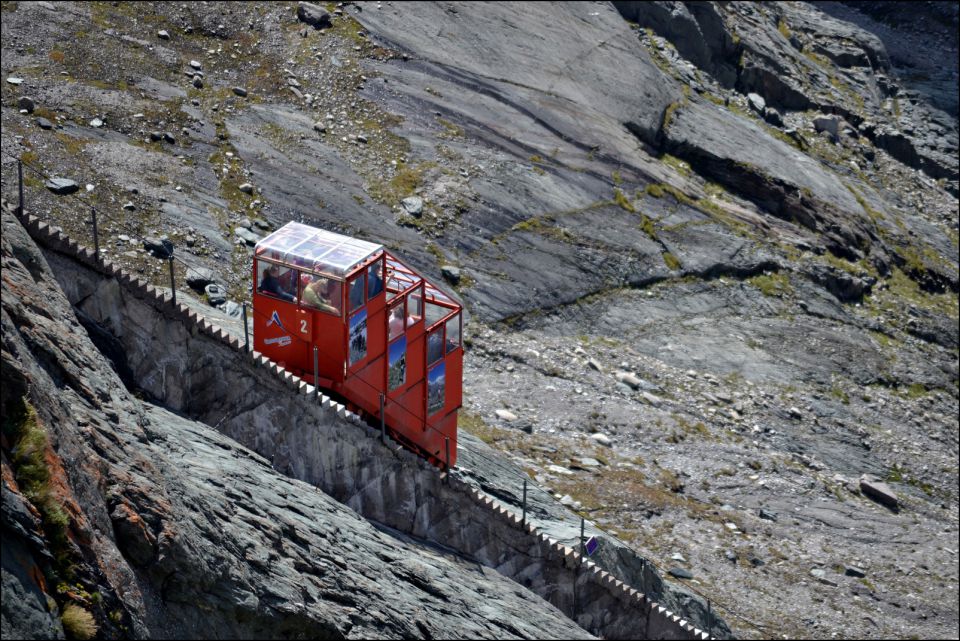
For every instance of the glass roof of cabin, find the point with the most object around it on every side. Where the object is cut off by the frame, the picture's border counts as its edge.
(316, 249)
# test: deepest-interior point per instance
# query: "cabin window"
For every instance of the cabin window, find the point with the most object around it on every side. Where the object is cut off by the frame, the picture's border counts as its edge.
(395, 321)
(397, 365)
(374, 279)
(414, 308)
(320, 292)
(356, 292)
(434, 346)
(435, 312)
(453, 333)
(277, 281)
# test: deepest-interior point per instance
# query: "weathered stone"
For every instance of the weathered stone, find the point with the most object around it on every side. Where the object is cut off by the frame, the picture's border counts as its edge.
(96, 123)
(879, 492)
(25, 103)
(240, 91)
(413, 205)
(246, 188)
(62, 186)
(163, 34)
(680, 573)
(215, 294)
(43, 123)
(198, 82)
(246, 235)
(505, 415)
(829, 124)
(852, 570)
(313, 15)
(601, 438)
(451, 274)
(756, 102)
(200, 277)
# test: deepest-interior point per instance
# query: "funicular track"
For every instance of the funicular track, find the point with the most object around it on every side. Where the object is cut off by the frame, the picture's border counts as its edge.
(385, 483)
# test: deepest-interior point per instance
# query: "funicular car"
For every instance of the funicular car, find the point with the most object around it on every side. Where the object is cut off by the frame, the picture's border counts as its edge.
(380, 334)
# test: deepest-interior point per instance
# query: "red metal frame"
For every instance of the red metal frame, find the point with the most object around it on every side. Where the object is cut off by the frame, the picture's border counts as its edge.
(287, 332)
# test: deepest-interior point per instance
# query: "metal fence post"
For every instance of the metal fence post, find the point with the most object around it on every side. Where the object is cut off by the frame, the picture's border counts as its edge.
(246, 331)
(446, 441)
(96, 236)
(173, 284)
(383, 421)
(583, 550)
(709, 619)
(20, 184)
(316, 373)
(524, 518)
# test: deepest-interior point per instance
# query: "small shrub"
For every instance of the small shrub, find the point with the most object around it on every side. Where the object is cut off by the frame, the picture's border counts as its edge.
(77, 622)
(671, 261)
(621, 199)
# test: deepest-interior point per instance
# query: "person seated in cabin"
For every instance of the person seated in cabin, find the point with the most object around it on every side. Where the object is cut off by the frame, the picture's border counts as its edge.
(395, 325)
(270, 284)
(315, 293)
(330, 294)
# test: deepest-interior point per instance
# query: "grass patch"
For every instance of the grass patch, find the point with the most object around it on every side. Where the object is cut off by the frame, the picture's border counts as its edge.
(22, 428)
(783, 29)
(78, 623)
(772, 284)
(671, 261)
(474, 424)
(621, 199)
(682, 167)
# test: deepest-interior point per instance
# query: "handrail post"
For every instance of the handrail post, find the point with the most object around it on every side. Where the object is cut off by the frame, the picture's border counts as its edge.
(446, 441)
(173, 284)
(316, 373)
(246, 331)
(523, 519)
(709, 619)
(96, 236)
(20, 185)
(383, 420)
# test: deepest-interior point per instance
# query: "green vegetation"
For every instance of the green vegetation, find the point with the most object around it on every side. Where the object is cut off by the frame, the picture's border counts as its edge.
(783, 29)
(682, 167)
(450, 130)
(78, 623)
(772, 284)
(655, 190)
(621, 199)
(22, 428)
(671, 261)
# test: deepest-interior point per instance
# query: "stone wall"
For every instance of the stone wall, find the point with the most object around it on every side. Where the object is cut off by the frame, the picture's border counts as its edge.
(192, 366)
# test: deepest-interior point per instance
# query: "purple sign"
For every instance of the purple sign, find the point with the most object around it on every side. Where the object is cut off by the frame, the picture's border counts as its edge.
(591, 545)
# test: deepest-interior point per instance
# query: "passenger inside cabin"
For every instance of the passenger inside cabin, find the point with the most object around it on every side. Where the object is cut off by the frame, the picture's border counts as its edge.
(316, 293)
(395, 326)
(270, 284)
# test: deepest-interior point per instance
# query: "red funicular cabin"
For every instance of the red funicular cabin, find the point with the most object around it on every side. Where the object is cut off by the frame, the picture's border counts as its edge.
(378, 327)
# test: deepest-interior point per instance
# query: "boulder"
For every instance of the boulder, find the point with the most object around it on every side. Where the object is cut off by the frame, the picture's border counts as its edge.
(158, 247)
(43, 123)
(26, 104)
(163, 35)
(756, 102)
(680, 573)
(246, 188)
(413, 205)
(314, 16)
(879, 492)
(451, 274)
(240, 91)
(246, 235)
(215, 294)
(62, 186)
(199, 277)
(829, 124)
(506, 415)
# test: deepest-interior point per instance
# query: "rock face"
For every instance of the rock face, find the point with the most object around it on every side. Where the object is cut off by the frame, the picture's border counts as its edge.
(786, 296)
(188, 534)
